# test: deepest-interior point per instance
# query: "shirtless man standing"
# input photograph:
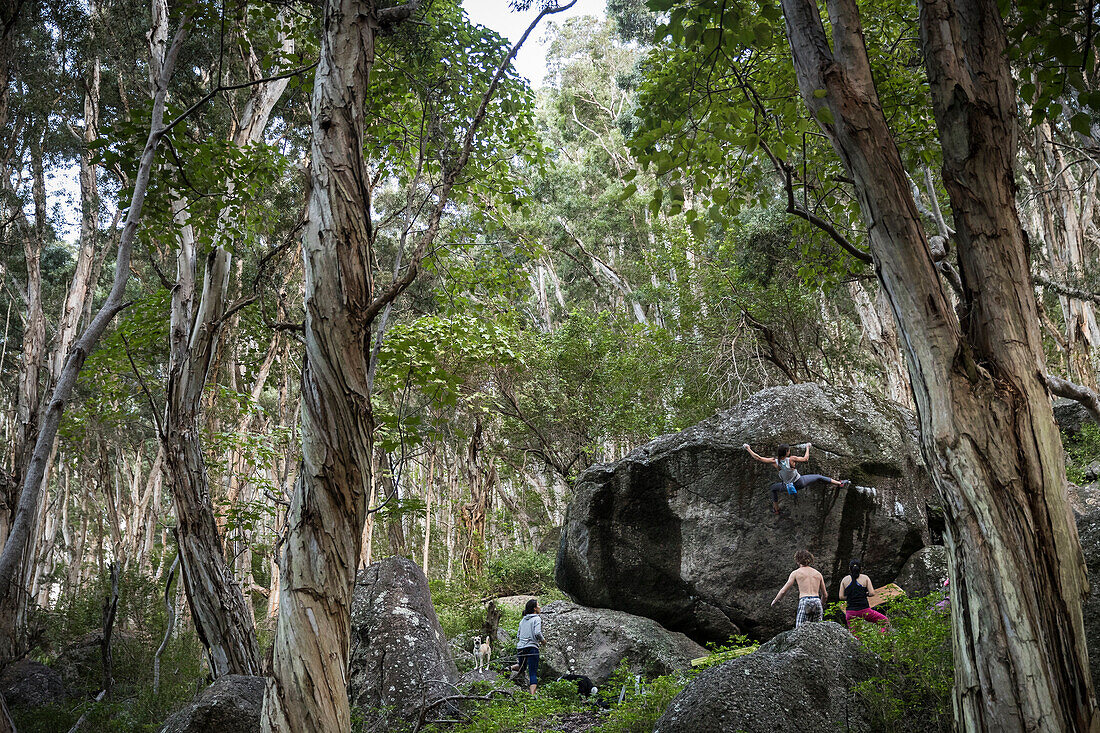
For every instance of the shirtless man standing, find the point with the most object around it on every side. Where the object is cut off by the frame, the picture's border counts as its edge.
(811, 589)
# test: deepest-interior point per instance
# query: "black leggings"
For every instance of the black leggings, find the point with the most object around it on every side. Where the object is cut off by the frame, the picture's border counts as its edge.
(799, 483)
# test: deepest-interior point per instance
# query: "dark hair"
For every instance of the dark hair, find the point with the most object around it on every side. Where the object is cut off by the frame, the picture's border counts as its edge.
(530, 607)
(855, 568)
(804, 557)
(782, 450)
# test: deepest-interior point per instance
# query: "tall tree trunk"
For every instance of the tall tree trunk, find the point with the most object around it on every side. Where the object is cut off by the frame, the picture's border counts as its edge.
(218, 606)
(987, 429)
(1064, 227)
(428, 479)
(308, 689)
(221, 612)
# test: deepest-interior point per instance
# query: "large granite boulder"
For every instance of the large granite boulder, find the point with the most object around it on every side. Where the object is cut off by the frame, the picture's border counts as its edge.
(592, 642)
(799, 681)
(399, 655)
(231, 705)
(30, 684)
(681, 529)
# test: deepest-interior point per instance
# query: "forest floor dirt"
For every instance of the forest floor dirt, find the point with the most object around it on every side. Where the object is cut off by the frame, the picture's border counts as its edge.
(577, 722)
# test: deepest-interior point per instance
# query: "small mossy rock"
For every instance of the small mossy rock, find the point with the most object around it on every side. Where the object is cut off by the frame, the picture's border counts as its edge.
(799, 681)
(592, 642)
(924, 572)
(231, 705)
(400, 657)
(29, 684)
(681, 529)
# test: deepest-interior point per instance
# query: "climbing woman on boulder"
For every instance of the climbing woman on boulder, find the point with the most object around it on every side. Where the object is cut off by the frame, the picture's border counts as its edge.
(790, 480)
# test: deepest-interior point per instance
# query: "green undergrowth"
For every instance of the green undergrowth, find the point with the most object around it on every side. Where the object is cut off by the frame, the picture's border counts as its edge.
(69, 644)
(557, 708)
(460, 603)
(912, 691)
(1082, 450)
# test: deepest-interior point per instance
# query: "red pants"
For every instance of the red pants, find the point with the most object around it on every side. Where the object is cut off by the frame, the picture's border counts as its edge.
(867, 614)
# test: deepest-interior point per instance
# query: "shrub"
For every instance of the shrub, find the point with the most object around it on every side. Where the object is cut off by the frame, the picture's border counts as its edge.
(1082, 450)
(912, 693)
(518, 571)
(640, 713)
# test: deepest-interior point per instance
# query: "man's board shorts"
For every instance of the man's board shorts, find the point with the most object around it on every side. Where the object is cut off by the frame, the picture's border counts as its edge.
(809, 610)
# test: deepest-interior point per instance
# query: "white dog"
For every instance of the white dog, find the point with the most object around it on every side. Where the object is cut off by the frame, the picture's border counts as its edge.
(482, 653)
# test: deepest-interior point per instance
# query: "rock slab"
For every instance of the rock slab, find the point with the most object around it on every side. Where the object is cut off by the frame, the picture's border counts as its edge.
(399, 655)
(231, 705)
(592, 642)
(681, 529)
(799, 681)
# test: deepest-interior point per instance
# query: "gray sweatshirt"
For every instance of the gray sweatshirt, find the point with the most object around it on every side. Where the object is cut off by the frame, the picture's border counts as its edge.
(530, 631)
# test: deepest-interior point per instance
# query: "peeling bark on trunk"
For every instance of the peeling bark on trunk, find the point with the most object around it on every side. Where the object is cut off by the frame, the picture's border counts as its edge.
(1064, 227)
(220, 609)
(308, 690)
(987, 429)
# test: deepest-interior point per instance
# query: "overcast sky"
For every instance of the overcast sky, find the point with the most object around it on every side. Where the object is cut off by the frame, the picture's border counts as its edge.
(531, 61)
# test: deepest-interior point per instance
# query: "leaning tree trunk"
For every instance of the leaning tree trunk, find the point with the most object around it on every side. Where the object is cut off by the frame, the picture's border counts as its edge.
(12, 566)
(308, 689)
(986, 425)
(218, 606)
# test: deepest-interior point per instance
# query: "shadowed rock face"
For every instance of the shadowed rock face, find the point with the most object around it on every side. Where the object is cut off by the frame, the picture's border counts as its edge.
(799, 681)
(400, 658)
(30, 684)
(681, 530)
(1088, 528)
(592, 642)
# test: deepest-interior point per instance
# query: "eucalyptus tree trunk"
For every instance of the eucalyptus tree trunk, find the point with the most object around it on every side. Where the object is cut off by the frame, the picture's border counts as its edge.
(987, 431)
(221, 611)
(218, 606)
(308, 689)
(1065, 220)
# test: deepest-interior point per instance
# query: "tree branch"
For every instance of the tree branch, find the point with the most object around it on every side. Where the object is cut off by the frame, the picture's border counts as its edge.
(1066, 290)
(817, 221)
(1088, 398)
(453, 170)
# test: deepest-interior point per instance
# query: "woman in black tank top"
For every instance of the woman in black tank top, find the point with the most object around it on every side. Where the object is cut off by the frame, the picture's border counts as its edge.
(856, 589)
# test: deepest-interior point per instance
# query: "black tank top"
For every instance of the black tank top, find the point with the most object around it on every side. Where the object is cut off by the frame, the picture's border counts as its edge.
(856, 596)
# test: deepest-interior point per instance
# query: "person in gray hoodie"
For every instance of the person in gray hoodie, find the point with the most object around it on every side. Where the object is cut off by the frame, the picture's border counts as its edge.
(527, 643)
